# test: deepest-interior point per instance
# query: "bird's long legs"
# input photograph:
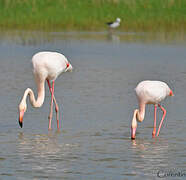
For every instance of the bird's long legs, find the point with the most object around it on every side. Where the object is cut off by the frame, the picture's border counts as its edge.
(154, 130)
(164, 113)
(51, 106)
(56, 106)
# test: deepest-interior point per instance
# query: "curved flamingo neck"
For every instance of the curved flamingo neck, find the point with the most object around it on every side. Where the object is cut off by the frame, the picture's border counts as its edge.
(141, 112)
(40, 98)
(138, 115)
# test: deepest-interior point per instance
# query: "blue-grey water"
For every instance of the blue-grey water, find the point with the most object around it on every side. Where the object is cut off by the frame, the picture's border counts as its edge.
(96, 103)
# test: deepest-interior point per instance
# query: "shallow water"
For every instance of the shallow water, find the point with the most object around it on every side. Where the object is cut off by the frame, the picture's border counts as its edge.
(96, 104)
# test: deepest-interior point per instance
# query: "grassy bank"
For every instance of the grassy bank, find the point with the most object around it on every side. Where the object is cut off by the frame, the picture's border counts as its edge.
(136, 15)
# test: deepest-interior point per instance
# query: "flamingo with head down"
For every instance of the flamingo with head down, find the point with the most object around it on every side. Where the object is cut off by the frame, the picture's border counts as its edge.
(149, 92)
(46, 66)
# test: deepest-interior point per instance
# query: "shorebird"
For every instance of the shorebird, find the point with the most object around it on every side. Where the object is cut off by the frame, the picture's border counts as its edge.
(114, 24)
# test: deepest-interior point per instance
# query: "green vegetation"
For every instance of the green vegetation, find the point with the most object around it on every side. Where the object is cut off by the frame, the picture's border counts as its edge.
(136, 15)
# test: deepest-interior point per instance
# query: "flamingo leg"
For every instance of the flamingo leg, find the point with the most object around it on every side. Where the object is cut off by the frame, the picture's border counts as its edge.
(164, 113)
(51, 106)
(154, 130)
(56, 105)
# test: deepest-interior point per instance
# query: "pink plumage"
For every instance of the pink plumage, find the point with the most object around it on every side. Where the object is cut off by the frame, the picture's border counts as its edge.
(152, 92)
(149, 92)
(46, 67)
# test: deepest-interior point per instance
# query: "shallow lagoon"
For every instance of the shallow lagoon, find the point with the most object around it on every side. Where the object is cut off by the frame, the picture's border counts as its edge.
(96, 101)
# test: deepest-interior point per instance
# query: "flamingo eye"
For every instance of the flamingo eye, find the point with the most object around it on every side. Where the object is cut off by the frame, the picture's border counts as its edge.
(171, 93)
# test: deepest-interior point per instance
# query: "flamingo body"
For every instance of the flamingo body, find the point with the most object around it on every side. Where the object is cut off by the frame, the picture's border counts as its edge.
(149, 92)
(46, 66)
(152, 92)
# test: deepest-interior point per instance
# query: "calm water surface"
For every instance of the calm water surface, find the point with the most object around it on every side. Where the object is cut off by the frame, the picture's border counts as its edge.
(96, 104)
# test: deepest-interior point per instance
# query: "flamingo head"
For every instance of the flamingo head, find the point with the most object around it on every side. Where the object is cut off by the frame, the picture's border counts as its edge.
(134, 125)
(69, 67)
(133, 133)
(22, 110)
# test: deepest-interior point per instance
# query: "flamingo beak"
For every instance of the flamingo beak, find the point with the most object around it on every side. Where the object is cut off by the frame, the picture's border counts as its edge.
(171, 93)
(21, 114)
(133, 133)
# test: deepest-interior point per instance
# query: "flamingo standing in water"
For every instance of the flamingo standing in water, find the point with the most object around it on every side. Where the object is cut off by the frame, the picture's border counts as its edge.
(149, 92)
(46, 66)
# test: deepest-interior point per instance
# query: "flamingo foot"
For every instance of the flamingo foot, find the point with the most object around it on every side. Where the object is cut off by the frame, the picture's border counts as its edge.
(153, 133)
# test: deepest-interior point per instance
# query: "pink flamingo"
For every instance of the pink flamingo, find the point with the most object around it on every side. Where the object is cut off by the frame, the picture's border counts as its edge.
(46, 66)
(149, 92)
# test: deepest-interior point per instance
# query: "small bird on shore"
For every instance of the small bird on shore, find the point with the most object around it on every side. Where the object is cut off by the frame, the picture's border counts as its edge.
(46, 66)
(149, 92)
(114, 24)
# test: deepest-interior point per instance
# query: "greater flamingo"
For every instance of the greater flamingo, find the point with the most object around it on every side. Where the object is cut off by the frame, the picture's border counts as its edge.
(149, 92)
(46, 66)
